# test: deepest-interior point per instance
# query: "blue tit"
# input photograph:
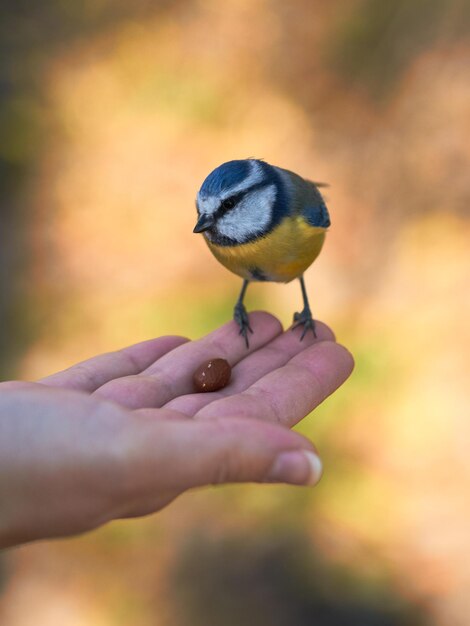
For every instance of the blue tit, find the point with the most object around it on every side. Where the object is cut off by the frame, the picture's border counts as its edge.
(263, 223)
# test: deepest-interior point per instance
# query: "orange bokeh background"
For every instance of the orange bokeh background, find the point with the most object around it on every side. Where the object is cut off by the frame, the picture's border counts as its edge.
(110, 125)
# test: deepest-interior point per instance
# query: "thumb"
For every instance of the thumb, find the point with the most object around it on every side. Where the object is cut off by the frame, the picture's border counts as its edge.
(174, 455)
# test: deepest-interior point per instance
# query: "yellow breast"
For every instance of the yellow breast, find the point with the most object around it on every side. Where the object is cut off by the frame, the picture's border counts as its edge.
(284, 254)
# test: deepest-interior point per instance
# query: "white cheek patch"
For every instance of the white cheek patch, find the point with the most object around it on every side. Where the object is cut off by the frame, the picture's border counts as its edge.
(250, 217)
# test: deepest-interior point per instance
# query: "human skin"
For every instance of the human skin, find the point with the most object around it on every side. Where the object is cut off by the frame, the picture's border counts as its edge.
(123, 434)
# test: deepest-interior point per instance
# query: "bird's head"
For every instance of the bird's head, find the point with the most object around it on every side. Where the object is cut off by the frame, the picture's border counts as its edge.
(239, 201)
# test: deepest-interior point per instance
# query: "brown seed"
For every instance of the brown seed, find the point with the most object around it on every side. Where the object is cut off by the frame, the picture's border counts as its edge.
(212, 375)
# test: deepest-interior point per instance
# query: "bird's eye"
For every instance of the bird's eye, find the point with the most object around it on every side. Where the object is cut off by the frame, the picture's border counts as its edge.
(228, 203)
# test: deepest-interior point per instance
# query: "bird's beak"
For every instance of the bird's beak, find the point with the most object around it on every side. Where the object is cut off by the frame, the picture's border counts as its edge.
(204, 223)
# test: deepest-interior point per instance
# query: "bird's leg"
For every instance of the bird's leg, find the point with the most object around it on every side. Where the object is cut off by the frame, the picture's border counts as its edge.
(305, 316)
(241, 316)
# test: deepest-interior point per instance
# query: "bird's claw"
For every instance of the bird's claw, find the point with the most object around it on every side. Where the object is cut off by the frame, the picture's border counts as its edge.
(305, 319)
(240, 316)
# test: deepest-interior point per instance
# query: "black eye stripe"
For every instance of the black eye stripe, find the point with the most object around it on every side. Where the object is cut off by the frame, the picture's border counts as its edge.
(229, 203)
(235, 199)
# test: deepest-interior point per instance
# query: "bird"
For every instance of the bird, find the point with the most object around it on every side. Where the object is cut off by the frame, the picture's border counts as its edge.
(263, 223)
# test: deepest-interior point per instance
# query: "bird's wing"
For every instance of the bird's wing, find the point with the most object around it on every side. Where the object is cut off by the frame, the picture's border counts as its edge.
(314, 208)
(317, 183)
(306, 200)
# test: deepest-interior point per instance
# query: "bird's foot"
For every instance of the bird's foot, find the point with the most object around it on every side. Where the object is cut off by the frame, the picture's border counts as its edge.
(305, 319)
(240, 315)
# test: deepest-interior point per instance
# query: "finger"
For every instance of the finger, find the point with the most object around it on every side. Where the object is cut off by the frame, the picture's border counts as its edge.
(273, 355)
(161, 414)
(171, 376)
(289, 393)
(18, 384)
(91, 374)
(167, 457)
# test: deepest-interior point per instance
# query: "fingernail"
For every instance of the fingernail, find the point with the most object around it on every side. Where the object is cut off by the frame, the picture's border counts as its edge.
(296, 467)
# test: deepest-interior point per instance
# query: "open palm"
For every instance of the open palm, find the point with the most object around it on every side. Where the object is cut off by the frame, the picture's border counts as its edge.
(277, 379)
(122, 434)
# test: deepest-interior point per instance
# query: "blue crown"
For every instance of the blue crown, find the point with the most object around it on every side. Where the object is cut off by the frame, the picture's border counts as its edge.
(225, 176)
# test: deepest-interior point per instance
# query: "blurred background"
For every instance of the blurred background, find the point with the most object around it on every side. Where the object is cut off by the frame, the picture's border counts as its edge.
(111, 115)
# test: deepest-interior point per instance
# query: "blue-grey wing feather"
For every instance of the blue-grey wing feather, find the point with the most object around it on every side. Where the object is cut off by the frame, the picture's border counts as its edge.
(314, 210)
(306, 199)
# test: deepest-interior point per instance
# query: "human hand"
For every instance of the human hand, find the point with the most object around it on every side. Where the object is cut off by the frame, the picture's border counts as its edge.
(122, 434)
